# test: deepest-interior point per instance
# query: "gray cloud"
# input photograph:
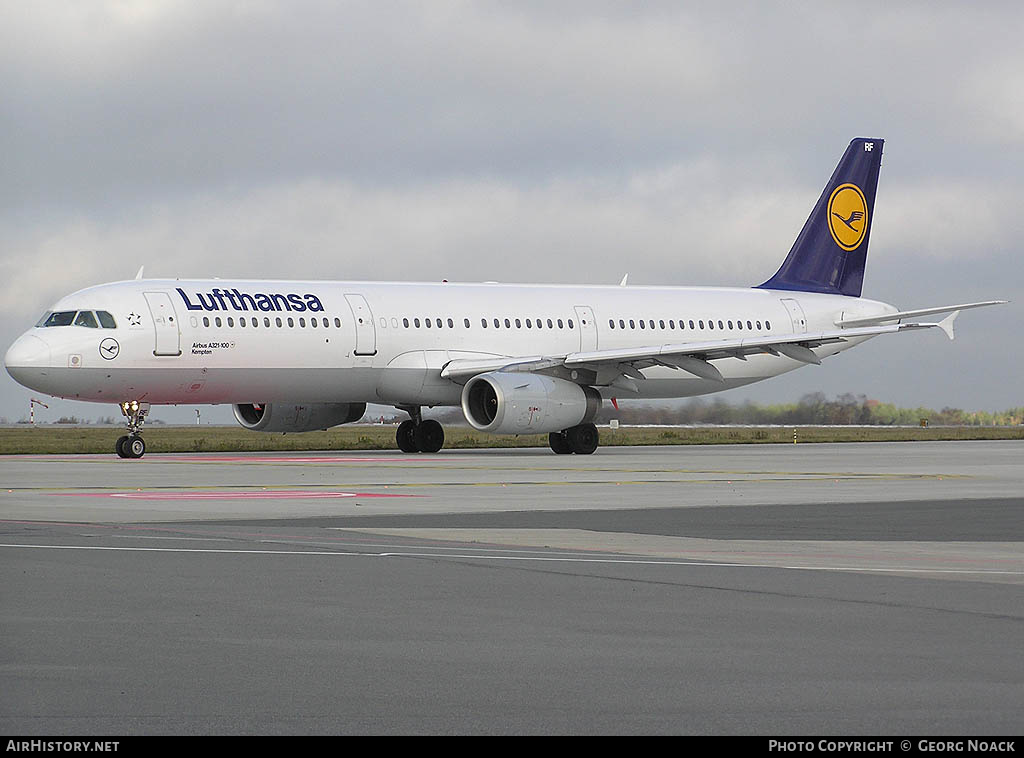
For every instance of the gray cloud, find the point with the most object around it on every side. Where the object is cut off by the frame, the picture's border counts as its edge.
(539, 142)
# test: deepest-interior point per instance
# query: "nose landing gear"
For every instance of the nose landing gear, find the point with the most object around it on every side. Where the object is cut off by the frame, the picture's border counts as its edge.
(132, 445)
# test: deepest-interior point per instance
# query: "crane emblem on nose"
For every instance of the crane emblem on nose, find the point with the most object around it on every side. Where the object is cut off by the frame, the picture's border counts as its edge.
(109, 348)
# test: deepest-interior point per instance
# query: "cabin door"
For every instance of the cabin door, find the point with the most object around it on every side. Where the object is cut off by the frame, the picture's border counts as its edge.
(366, 332)
(165, 322)
(588, 328)
(796, 315)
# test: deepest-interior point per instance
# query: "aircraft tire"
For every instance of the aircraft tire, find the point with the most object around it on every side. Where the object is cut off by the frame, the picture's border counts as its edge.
(429, 436)
(121, 451)
(583, 438)
(406, 437)
(135, 447)
(558, 442)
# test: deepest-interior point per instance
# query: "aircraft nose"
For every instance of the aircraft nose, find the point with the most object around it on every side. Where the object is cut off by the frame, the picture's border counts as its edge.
(26, 356)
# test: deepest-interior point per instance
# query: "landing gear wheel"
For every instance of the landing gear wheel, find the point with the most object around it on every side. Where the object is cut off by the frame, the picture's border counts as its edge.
(429, 436)
(559, 443)
(121, 452)
(135, 447)
(582, 438)
(406, 437)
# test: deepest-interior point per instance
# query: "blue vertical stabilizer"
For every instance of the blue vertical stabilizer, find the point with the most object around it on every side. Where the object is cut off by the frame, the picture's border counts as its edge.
(830, 252)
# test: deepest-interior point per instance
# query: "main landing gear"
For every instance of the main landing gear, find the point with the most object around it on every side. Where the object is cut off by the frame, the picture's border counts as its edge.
(132, 445)
(581, 440)
(417, 435)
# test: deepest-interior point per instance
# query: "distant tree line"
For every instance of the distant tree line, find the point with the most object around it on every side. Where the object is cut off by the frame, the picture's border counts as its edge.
(814, 408)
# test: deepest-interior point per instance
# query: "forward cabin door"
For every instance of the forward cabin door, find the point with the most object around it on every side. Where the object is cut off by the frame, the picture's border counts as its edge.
(588, 328)
(366, 332)
(165, 322)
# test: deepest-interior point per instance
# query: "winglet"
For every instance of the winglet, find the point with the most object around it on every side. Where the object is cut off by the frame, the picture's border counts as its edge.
(139, 275)
(623, 282)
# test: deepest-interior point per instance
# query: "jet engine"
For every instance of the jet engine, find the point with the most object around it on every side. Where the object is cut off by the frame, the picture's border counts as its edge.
(513, 403)
(296, 417)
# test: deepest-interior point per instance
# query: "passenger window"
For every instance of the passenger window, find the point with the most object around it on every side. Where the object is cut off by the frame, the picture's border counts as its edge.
(206, 320)
(611, 323)
(519, 324)
(508, 324)
(302, 322)
(700, 324)
(759, 325)
(466, 322)
(426, 323)
(560, 324)
(439, 324)
(729, 323)
(451, 324)
(266, 321)
(278, 322)
(106, 320)
(217, 321)
(643, 325)
(529, 324)
(291, 323)
(569, 322)
(749, 325)
(671, 324)
(768, 325)
(632, 324)
(720, 324)
(337, 323)
(483, 323)
(661, 323)
(231, 321)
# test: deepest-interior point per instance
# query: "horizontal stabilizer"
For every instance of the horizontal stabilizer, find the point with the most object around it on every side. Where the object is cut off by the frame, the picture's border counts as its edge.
(886, 317)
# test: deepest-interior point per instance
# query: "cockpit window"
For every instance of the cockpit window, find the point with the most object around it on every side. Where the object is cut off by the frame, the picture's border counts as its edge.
(78, 318)
(85, 318)
(60, 318)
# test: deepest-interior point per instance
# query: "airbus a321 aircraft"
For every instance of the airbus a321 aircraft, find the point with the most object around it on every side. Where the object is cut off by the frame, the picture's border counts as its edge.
(296, 356)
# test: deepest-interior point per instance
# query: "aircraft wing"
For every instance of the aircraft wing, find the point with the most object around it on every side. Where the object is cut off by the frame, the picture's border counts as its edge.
(621, 367)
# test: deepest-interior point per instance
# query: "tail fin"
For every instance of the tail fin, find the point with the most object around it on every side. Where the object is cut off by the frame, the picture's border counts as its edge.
(830, 253)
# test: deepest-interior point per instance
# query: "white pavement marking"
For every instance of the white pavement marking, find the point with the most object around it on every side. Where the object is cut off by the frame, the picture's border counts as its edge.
(566, 559)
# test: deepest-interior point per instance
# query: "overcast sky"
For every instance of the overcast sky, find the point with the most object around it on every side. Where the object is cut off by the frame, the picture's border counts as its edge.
(683, 143)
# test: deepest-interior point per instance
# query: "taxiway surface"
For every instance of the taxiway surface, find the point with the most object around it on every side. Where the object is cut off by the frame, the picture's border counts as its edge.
(783, 589)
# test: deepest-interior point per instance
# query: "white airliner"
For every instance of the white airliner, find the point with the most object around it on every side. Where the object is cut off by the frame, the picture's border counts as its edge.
(294, 356)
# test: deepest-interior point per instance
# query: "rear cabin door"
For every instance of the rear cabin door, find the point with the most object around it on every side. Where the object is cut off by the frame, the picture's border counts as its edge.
(165, 323)
(796, 315)
(366, 332)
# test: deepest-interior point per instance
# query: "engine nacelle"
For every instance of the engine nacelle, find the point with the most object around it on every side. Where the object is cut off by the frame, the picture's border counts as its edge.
(512, 403)
(296, 417)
